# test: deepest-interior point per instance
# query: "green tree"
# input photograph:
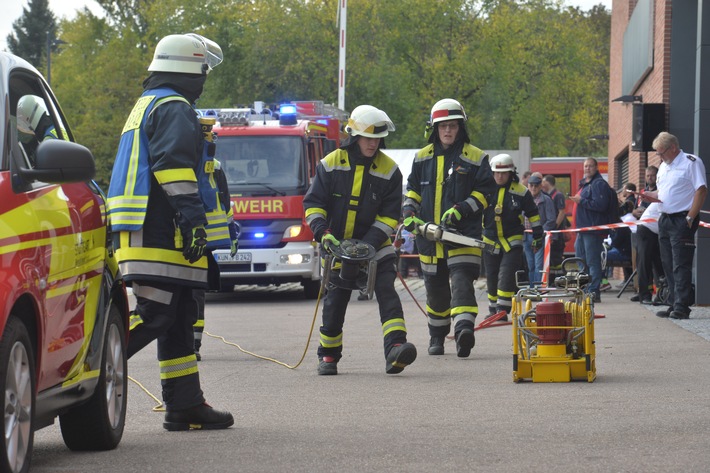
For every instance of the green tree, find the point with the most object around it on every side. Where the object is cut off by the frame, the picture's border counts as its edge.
(32, 32)
(520, 67)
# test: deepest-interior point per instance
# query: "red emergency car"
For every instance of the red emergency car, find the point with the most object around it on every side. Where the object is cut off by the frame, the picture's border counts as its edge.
(64, 316)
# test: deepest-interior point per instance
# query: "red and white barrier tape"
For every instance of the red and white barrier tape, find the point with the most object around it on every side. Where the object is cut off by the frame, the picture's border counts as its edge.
(611, 226)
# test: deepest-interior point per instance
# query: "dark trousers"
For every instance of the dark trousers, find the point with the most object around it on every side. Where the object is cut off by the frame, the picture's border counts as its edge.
(450, 294)
(677, 244)
(199, 325)
(336, 303)
(501, 278)
(166, 312)
(649, 267)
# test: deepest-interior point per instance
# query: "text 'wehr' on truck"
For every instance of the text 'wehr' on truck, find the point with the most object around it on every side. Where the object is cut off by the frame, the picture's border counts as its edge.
(269, 158)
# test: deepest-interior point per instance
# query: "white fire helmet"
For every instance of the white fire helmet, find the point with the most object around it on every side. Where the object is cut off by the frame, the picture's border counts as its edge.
(447, 109)
(186, 53)
(30, 110)
(369, 121)
(502, 163)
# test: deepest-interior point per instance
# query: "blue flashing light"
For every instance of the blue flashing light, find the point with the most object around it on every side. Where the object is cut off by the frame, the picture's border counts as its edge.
(322, 121)
(259, 235)
(287, 114)
(287, 109)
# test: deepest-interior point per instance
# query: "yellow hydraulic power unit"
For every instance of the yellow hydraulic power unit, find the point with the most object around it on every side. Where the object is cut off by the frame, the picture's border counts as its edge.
(553, 341)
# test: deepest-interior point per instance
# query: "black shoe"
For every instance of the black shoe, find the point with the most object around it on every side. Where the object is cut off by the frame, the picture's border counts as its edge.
(675, 314)
(436, 346)
(327, 366)
(465, 340)
(399, 357)
(647, 302)
(635, 298)
(502, 319)
(202, 417)
(363, 297)
(663, 313)
(597, 298)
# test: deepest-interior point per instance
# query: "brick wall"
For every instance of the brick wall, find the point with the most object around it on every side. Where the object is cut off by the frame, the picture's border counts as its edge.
(655, 87)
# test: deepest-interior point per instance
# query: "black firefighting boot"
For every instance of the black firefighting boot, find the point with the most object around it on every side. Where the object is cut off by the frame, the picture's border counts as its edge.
(327, 366)
(202, 417)
(436, 345)
(505, 317)
(400, 356)
(465, 340)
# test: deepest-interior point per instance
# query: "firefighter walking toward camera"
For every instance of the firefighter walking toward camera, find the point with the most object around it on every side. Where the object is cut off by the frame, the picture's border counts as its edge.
(357, 194)
(159, 222)
(449, 185)
(503, 230)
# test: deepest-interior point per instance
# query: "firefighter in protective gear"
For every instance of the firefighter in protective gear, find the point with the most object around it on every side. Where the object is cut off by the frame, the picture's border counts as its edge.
(159, 220)
(34, 124)
(503, 230)
(357, 193)
(449, 185)
(232, 243)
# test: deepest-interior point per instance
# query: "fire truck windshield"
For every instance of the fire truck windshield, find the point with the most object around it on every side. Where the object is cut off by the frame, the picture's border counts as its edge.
(257, 163)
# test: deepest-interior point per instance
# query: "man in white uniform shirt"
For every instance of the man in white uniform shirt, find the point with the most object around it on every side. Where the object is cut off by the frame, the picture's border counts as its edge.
(682, 188)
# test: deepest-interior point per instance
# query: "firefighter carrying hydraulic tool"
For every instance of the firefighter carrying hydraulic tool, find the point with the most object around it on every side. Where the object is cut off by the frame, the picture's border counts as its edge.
(449, 182)
(357, 194)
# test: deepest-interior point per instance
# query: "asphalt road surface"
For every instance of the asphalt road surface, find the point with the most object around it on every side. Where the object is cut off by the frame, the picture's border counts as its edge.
(648, 410)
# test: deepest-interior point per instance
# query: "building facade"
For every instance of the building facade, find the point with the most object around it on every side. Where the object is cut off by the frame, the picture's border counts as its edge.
(660, 81)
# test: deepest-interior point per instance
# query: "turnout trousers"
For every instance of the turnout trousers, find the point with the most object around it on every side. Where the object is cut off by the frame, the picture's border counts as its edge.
(166, 313)
(391, 314)
(456, 299)
(501, 269)
(199, 325)
(677, 243)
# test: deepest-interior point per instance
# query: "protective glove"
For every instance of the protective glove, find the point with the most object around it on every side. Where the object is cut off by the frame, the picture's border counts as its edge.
(235, 247)
(452, 216)
(412, 223)
(329, 241)
(195, 244)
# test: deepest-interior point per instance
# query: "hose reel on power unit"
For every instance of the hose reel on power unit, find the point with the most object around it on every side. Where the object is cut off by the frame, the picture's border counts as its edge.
(351, 265)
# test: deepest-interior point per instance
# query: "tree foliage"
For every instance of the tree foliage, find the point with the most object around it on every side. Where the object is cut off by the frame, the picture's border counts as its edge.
(30, 33)
(520, 67)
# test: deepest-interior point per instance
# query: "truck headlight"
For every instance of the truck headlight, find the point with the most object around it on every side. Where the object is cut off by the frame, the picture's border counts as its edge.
(295, 259)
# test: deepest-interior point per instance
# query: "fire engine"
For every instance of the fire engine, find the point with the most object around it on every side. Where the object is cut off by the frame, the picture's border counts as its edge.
(269, 157)
(568, 173)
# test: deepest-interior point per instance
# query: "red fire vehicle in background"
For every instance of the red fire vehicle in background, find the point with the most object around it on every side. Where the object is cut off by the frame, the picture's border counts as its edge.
(270, 158)
(568, 172)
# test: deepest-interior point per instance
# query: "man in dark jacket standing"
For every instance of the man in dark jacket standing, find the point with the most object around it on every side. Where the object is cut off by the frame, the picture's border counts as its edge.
(591, 209)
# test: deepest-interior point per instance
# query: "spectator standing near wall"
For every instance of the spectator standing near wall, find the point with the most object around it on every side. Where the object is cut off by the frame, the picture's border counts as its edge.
(592, 208)
(682, 188)
(546, 210)
(557, 247)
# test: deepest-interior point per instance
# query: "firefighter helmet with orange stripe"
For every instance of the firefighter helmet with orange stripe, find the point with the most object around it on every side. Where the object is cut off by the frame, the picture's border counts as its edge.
(447, 109)
(502, 163)
(369, 121)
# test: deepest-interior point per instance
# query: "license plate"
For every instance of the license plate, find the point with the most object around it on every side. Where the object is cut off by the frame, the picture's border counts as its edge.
(240, 257)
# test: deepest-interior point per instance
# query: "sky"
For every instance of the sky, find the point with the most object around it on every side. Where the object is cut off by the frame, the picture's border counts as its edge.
(67, 9)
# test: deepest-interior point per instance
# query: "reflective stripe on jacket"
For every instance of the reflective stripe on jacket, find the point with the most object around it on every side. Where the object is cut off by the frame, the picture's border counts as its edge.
(435, 185)
(503, 220)
(359, 198)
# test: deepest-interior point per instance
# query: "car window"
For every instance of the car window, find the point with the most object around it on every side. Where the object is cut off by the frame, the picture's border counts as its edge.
(35, 117)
